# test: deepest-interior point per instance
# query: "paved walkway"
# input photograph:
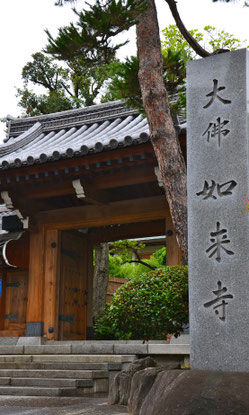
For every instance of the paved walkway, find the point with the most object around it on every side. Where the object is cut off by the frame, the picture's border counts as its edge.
(10, 405)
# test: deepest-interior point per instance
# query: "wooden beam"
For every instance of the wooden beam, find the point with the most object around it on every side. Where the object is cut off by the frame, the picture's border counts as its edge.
(174, 256)
(51, 272)
(129, 176)
(128, 211)
(126, 231)
(34, 316)
(90, 159)
(86, 193)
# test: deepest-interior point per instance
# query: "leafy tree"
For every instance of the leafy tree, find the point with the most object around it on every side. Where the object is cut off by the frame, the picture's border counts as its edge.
(125, 82)
(123, 265)
(43, 104)
(126, 248)
(69, 86)
(176, 52)
(148, 307)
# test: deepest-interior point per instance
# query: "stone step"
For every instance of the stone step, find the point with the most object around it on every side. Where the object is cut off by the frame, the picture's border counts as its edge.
(61, 365)
(98, 348)
(72, 358)
(37, 391)
(50, 382)
(57, 373)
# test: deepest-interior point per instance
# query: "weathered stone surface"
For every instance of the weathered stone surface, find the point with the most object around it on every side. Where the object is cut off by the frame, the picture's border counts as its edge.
(141, 385)
(11, 350)
(121, 386)
(113, 397)
(218, 181)
(197, 393)
(130, 348)
(168, 349)
(48, 349)
(182, 339)
(124, 387)
(93, 348)
(141, 364)
(29, 341)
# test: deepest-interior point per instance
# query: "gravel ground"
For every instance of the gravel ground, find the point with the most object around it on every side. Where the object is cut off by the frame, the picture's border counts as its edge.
(10, 405)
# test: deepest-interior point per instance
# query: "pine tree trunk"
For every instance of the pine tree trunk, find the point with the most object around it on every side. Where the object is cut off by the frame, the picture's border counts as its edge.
(163, 135)
(100, 279)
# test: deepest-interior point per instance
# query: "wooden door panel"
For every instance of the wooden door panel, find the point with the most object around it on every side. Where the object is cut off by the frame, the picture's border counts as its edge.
(16, 291)
(72, 305)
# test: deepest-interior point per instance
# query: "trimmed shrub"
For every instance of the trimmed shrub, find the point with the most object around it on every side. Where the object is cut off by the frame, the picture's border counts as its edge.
(147, 307)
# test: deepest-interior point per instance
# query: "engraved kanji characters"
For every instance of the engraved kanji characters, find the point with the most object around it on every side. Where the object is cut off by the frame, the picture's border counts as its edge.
(214, 94)
(218, 239)
(221, 299)
(224, 189)
(216, 129)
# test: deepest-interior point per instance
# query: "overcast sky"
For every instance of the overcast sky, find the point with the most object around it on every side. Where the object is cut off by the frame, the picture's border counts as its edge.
(22, 24)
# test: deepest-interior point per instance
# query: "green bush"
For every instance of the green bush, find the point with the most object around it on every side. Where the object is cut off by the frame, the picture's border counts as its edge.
(147, 307)
(119, 268)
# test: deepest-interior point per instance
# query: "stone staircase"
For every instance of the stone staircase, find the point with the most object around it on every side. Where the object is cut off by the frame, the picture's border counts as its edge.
(53, 370)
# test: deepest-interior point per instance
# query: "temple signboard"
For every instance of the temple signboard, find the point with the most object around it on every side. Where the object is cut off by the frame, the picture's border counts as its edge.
(218, 174)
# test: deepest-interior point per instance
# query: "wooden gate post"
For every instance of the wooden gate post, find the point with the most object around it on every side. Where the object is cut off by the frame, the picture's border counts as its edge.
(89, 328)
(34, 316)
(174, 256)
(51, 273)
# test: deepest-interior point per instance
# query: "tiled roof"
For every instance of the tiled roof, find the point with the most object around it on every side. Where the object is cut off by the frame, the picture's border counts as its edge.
(72, 133)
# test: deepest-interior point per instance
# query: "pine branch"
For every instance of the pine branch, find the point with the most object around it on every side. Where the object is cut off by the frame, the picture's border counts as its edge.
(141, 262)
(191, 41)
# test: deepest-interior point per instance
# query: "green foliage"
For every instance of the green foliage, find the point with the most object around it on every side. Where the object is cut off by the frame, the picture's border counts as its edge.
(124, 248)
(176, 52)
(148, 307)
(219, 39)
(160, 255)
(88, 57)
(91, 36)
(173, 40)
(125, 83)
(34, 104)
(120, 264)
(68, 87)
(211, 39)
(45, 72)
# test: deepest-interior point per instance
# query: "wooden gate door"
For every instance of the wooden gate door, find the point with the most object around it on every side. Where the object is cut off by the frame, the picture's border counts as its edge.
(73, 294)
(16, 291)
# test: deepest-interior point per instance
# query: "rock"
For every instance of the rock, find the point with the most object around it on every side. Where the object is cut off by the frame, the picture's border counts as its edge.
(197, 393)
(113, 397)
(157, 392)
(141, 385)
(120, 390)
(141, 364)
(124, 387)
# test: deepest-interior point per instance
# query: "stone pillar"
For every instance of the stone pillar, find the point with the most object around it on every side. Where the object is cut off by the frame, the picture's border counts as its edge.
(218, 175)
